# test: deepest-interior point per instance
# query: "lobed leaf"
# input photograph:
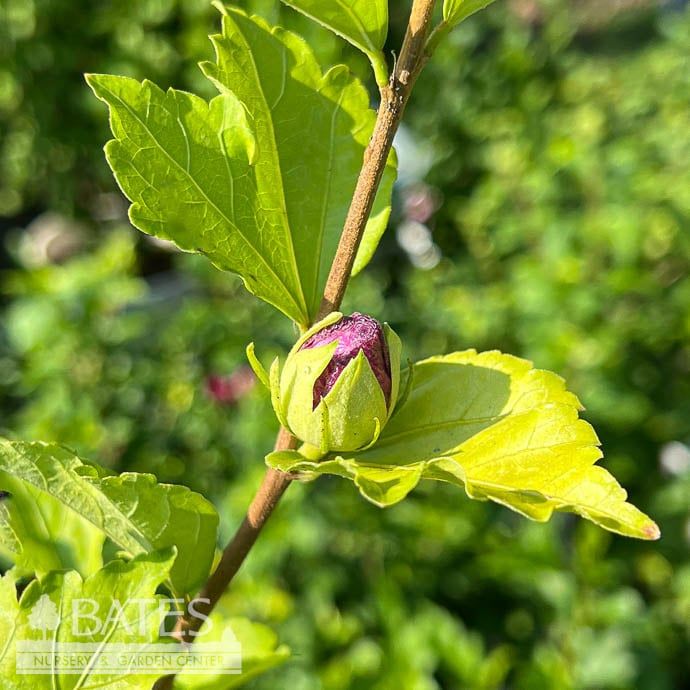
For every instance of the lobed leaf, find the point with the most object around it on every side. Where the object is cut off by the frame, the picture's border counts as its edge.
(187, 166)
(133, 510)
(260, 178)
(129, 583)
(503, 430)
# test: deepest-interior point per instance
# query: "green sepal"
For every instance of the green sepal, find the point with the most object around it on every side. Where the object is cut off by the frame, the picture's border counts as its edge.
(257, 367)
(277, 399)
(409, 380)
(274, 377)
(323, 420)
(354, 402)
(395, 356)
(300, 372)
(376, 435)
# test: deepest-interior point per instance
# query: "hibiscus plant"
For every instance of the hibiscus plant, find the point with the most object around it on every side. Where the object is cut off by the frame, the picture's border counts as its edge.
(285, 178)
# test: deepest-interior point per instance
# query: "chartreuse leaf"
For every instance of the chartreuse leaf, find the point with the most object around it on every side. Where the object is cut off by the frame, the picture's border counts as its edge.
(364, 23)
(187, 166)
(118, 614)
(9, 608)
(498, 427)
(39, 534)
(45, 614)
(456, 11)
(260, 653)
(260, 178)
(134, 511)
(311, 130)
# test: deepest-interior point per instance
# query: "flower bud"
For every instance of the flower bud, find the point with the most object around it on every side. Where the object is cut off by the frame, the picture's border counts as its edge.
(340, 383)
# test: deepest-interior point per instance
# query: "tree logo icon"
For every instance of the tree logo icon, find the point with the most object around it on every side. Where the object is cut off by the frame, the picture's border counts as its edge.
(44, 616)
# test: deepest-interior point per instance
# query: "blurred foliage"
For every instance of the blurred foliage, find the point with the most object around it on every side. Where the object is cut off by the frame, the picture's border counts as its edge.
(558, 144)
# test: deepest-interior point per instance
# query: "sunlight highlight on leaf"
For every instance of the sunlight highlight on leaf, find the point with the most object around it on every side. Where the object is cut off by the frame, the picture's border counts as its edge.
(133, 510)
(236, 179)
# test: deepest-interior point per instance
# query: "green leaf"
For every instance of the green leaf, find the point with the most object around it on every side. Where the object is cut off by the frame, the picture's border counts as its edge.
(260, 653)
(187, 166)
(456, 11)
(498, 427)
(9, 608)
(134, 511)
(47, 605)
(259, 179)
(39, 534)
(364, 23)
(312, 130)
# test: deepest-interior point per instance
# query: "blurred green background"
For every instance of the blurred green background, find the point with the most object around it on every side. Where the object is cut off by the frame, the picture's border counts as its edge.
(543, 209)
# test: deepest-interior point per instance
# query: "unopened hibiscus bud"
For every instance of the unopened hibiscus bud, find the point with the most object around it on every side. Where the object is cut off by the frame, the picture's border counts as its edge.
(353, 334)
(340, 383)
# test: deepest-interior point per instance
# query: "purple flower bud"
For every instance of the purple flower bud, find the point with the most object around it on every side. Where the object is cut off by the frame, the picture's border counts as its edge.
(353, 333)
(339, 385)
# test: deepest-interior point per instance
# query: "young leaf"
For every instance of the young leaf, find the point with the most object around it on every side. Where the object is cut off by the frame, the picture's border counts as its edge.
(260, 178)
(39, 534)
(498, 427)
(364, 23)
(456, 11)
(47, 605)
(135, 512)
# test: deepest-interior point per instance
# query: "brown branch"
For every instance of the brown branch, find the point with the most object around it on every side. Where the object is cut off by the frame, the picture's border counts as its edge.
(266, 499)
(394, 99)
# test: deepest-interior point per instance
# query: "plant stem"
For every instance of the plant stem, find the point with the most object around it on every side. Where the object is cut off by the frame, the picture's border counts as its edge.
(272, 488)
(266, 499)
(395, 96)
